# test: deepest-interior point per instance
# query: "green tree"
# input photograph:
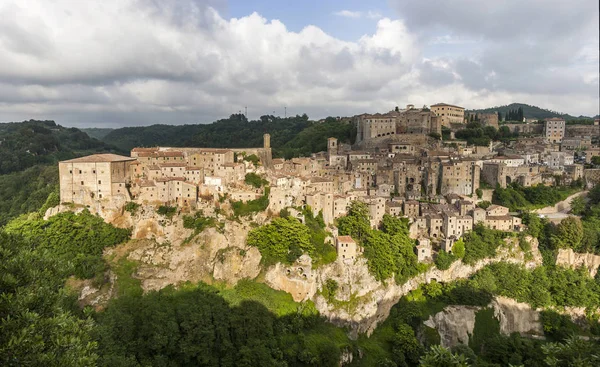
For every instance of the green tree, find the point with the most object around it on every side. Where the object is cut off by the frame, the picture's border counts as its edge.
(572, 352)
(439, 356)
(444, 259)
(77, 238)
(283, 240)
(255, 180)
(577, 205)
(37, 327)
(569, 233)
(393, 225)
(458, 249)
(356, 223)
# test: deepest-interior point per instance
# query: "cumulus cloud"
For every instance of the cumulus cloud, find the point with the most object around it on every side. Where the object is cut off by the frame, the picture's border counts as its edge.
(531, 48)
(129, 62)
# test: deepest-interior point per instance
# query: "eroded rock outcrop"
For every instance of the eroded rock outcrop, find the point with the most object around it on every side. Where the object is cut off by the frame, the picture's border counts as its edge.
(365, 302)
(569, 258)
(516, 317)
(455, 324)
(169, 254)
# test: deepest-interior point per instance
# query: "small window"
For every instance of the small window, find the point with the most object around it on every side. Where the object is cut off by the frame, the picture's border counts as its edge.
(100, 196)
(70, 171)
(99, 182)
(82, 182)
(93, 171)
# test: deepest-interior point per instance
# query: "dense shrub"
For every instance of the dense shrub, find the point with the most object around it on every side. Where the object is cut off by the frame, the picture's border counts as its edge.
(78, 238)
(389, 251)
(282, 240)
(167, 211)
(444, 259)
(517, 197)
(480, 243)
(242, 209)
(254, 180)
(198, 326)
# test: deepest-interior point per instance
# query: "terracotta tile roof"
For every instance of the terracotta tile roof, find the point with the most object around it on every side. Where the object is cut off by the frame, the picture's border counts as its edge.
(345, 239)
(100, 158)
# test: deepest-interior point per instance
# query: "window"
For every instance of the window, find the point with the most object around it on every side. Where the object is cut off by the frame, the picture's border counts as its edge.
(82, 182)
(99, 182)
(93, 171)
(70, 171)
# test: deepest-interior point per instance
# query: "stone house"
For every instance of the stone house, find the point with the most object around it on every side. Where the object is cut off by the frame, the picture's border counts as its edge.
(347, 249)
(91, 179)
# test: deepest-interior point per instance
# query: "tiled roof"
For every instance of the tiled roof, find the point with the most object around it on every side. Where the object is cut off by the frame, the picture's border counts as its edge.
(100, 158)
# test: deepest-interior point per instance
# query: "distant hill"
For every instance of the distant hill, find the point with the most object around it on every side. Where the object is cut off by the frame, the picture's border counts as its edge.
(25, 144)
(29, 151)
(290, 137)
(96, 132)
(529, 111)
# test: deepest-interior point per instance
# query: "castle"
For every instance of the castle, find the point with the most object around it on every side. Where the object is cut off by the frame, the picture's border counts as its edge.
(409, 121)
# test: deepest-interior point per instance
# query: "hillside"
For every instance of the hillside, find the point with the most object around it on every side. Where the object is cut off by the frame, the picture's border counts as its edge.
(529, 111)
(290, 137)
(96, 132)
(29, 151)
(28, 143)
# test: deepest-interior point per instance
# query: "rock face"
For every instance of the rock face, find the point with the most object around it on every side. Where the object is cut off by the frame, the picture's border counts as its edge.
(222, 256)
(169, 254)
(568, 258)
(366, 302)
(516, 317)
(298, 279)
(455, 323)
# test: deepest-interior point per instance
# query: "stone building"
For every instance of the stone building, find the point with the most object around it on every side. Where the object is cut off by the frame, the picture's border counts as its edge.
(424, 250)
(411, 121)
(459, 177)
(486, 119)
(554, 129)
(449, 114)
(94, 178)
(347, 250)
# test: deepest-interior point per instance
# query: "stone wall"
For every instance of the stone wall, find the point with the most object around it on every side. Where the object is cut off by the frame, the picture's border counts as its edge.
(591, 177)
(582, 130)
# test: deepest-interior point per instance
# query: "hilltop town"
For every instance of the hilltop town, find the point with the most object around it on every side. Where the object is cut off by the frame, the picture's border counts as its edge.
(404, 163)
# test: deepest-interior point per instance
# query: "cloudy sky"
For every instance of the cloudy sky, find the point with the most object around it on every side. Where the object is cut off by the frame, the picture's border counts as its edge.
(116, 63)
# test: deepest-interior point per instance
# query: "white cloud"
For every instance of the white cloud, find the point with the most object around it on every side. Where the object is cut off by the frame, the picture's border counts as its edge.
(371, 14)
(128, 62)
(349, 14)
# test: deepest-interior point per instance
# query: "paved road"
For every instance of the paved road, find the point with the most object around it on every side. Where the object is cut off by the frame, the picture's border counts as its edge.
(562, 207)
